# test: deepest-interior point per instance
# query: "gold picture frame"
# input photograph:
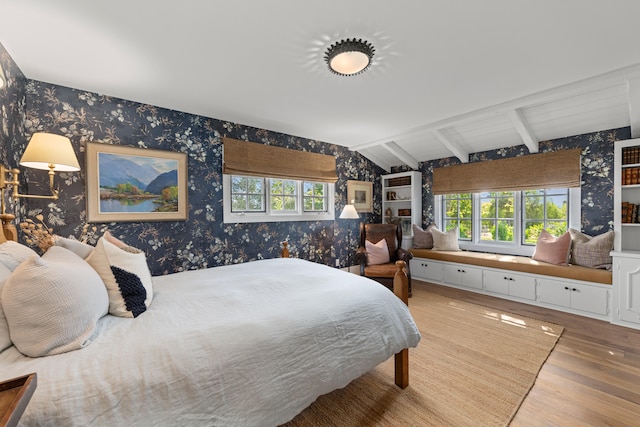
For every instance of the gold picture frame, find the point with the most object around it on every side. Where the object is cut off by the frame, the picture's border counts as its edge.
(361, 193)
(116, 174)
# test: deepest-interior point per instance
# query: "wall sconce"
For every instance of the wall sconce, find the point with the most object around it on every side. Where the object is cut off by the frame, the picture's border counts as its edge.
(45, 151)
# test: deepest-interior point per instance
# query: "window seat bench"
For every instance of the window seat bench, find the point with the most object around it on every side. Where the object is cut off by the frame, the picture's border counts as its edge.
(518, 263)
(571, 288)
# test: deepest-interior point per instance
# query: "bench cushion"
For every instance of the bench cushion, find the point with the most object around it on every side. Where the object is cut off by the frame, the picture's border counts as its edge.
(518, 263)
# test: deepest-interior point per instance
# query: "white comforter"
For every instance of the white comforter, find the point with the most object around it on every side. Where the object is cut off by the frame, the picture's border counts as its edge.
(250, 344)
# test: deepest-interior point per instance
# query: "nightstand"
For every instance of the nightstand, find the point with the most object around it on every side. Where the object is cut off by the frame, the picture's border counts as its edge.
(14, 398)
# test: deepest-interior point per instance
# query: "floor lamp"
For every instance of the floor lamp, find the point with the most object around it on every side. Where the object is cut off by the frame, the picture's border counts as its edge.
(349, 212)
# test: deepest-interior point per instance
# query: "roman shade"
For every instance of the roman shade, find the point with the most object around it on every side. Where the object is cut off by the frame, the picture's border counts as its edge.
(557, 169)
(253, 159)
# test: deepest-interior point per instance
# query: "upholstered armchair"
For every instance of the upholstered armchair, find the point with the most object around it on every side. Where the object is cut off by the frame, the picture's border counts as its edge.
(382, 272)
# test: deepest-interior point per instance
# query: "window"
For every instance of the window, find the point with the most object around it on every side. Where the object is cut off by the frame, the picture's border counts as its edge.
(497, 216)
(457, 213)
(257, 199)
(508, 221)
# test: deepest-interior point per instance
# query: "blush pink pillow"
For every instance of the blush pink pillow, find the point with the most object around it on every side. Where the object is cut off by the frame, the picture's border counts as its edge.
(554, 250)
(377, 253)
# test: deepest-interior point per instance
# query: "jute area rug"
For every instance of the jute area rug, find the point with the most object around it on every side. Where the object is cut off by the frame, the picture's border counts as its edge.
(473, 367)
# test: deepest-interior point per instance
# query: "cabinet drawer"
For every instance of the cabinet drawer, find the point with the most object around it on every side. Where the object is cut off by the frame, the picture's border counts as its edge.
(592, 299)
(426, 269)
(515, 285)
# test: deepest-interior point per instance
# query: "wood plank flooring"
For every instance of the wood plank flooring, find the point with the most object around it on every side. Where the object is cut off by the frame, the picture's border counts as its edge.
(592, 377)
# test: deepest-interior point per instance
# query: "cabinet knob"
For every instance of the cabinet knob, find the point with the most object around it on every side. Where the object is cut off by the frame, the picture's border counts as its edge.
(424, 265)
(506, 278)
(574, 289)
(566, 287)
(511, 278)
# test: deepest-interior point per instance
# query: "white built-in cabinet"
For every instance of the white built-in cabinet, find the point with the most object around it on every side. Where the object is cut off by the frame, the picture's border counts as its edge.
(626, 254)
(402, 202)
(573, 296)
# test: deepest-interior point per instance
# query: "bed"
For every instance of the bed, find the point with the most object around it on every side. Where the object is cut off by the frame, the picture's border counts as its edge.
(251, 344)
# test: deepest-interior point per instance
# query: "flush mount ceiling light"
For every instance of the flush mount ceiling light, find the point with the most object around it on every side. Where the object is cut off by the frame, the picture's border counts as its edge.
(349, 57)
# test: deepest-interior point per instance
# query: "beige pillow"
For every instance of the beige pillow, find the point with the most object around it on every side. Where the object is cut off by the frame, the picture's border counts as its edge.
(445, 241)
(423, 239)
(551, 249)
(591, 251)
(126, 275)
(377, 253)
(52, 303)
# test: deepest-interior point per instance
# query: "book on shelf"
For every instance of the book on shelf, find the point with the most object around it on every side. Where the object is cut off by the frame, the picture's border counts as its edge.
(630, 213)
(630, 155)
(631, 176)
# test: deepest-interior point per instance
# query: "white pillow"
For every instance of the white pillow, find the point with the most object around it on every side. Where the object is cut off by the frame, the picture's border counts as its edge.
(5, 338)
(52, 303)
(445, 241)
(77, 247)
(125, 273)
(377, 253)
(11, 255)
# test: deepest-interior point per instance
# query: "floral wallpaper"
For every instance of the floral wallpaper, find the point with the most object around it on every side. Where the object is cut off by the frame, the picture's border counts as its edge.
(203, 240)
(28, 106)
(597, 174)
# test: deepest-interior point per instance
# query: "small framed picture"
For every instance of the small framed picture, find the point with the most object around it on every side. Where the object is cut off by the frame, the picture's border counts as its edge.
(135, 184)
(360, 193)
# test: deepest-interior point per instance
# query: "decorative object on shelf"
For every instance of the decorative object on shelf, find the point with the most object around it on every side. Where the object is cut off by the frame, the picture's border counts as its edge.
(391, 195)
(404, 212)
(284, 253)
(116, 193)
(387, 215)
(349, 57)
(361, 195)
(45, 151)
(349, 212)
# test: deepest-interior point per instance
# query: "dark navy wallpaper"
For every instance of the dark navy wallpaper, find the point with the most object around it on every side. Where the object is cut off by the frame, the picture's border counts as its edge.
(28, 106)
(203, 240)
(596, 183)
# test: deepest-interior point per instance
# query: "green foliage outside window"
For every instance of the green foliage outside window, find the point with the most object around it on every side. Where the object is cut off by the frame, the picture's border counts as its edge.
(247, 194)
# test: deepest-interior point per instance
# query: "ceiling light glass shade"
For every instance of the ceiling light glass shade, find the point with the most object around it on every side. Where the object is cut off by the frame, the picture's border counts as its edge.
(349, 57)
(349, 212)
(45, 149)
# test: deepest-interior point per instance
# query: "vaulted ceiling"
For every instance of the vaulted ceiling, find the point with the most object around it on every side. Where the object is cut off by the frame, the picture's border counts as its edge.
(448, 78)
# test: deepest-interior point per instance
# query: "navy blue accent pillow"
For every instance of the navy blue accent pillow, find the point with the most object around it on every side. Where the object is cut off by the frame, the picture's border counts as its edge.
(131, 289)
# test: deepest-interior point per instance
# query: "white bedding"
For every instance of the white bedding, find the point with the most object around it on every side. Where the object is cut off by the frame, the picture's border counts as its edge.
(250, 344)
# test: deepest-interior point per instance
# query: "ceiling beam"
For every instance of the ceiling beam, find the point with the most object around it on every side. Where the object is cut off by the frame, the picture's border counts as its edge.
(524, 129)
(457, 151)
(592, 84)
(402, 155)
(633, 89)
(377, 160)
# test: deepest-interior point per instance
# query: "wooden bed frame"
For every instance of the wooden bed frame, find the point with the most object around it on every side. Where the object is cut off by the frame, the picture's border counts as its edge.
(401, 290)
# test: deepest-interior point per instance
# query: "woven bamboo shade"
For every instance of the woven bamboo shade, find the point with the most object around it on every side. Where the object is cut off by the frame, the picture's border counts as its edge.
(557, 169)
(253, 159)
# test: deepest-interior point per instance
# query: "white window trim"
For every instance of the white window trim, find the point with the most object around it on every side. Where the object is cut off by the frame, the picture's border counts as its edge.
(515, 248)
(273, 216)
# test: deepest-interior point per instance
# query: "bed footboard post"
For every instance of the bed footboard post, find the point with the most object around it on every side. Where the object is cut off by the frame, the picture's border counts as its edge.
(401, 289)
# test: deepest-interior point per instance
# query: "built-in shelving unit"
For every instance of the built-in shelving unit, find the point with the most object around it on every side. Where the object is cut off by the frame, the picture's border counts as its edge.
(626, 224)
(402, 202)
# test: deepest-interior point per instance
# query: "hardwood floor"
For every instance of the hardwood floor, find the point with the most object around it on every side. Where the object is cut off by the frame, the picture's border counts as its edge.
(592, 377)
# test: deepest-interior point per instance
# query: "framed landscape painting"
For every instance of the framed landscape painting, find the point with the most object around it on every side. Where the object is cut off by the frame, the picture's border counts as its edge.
(135, 184)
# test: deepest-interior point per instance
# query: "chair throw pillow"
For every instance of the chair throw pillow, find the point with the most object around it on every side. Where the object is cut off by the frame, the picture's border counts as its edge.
(377, 253)
(52, 303)
(591, 251)
(126, 275)
(423, 239)
(551, 249)
(445, 241)
(5, 338)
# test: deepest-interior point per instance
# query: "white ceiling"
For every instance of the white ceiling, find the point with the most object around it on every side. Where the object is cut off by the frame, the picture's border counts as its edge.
(450, 77)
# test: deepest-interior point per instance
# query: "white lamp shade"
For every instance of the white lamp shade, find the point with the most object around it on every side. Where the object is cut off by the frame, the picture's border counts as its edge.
(349, 212)
(46, 149)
